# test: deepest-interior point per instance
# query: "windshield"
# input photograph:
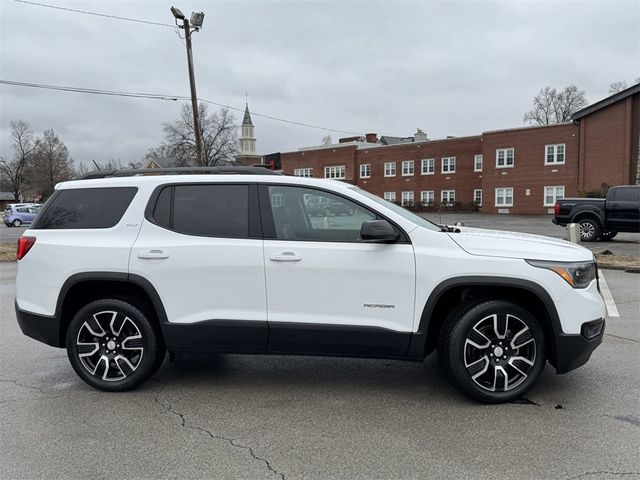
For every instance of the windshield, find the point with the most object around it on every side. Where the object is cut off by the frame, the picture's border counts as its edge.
(412, 217)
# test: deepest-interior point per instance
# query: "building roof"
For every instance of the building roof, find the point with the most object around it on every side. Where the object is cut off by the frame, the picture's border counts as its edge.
(388, 140)
(161, 162)
(247, 116)
(616, 97)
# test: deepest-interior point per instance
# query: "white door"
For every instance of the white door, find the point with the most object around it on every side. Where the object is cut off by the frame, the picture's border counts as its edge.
(201, 253)
(327, 290)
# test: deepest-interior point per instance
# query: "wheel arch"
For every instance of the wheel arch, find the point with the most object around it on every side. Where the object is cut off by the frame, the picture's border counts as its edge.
(588, 214)
(86, 287)
(453, 292)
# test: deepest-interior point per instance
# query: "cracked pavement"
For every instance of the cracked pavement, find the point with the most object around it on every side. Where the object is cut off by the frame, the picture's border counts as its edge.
(261, 417)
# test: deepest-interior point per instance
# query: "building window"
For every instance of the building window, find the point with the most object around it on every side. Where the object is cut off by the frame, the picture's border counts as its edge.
(390, 169)
(552, 194)
(504, 197)
(390, 196)
(337, 171)
(448, 198)
(448, 165)
(365, 170)
(554, 154)
(303, 172)
(477, 197)
(477, 163)
(428, 166)
(407, 168)
(427, 198)
(504, 157)
(407, 199)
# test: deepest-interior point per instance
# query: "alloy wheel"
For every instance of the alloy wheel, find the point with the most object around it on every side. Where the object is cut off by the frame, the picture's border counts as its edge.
(499, 352)
(587, 230)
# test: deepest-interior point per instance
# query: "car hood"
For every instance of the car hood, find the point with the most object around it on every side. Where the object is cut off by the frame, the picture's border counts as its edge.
(497, 243)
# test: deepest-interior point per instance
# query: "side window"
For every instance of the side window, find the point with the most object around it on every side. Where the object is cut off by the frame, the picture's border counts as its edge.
(626, 195)
(80, 208)
(204, 210)
(312, 215)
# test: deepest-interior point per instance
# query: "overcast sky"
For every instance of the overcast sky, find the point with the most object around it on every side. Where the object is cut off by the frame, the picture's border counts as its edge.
(448, 67)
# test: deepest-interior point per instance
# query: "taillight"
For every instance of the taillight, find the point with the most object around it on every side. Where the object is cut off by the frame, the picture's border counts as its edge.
(556, 209)
(24, 245)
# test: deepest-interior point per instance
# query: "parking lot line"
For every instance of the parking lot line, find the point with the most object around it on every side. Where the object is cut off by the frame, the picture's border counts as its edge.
(612, 310)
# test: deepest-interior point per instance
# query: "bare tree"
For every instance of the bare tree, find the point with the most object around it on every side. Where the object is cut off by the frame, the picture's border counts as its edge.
(553, 106)
(327, 140)
(51, 164)
(219, 135)
(15, 172)
(618, 86)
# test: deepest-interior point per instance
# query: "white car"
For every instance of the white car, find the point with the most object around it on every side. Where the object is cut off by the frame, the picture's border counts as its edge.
(120, 269)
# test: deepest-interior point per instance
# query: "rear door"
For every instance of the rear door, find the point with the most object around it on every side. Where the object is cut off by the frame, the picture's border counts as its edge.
(200, 247)
(622, 209)
(328, 292)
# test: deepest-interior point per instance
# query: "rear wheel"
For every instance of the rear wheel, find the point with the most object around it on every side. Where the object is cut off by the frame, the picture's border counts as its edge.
(608, 235)
(589, 230)
(113, 346)
(492, 351)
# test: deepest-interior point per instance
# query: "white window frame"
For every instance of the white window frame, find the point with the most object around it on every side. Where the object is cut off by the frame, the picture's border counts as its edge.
(430, 197)
(430, 164)
(450, 194)
(337, 172)
(408, 168)
(477, 191)
(501, 192)
(408, 196)
(303, 172)
(366, 168)
(505, 151)
(390, 196)
(555, 147)
(450, 162)
(554, 195)
(477, 163)
(390, 169)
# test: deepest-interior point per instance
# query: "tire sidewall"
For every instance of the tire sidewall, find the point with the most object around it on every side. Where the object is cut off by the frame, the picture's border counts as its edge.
(454, 350)
(151, 344)
(596, 230)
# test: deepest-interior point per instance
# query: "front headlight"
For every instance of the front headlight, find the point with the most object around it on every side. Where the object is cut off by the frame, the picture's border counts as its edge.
(576, 274)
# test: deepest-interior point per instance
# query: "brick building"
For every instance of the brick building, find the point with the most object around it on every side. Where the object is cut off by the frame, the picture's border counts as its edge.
(519, 170)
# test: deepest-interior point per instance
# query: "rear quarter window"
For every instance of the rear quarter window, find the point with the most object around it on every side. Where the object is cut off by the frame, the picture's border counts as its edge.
(85, 208)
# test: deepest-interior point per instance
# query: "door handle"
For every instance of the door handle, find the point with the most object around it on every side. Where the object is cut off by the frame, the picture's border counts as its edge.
(153, 254)
(285, 257)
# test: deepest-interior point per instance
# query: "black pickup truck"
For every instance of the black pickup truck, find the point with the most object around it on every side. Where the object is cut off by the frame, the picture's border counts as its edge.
(599, 217)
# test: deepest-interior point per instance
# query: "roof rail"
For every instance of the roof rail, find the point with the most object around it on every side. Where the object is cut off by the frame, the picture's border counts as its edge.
(254, 170)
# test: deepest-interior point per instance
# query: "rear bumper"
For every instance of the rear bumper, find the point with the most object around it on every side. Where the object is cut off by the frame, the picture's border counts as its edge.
(39, 327)
(573, 351)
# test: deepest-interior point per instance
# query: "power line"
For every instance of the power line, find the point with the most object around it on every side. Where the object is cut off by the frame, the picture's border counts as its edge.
(113, 17)
(155, 96)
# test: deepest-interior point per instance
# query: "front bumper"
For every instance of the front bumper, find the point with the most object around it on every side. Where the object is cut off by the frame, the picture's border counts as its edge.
(573, 351)
(40, 327)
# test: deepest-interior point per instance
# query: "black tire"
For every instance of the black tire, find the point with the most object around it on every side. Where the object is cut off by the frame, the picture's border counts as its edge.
(484, 374)
(589, 230)
(16, 222)
(327, 212)
(606, 236)
(99, 331)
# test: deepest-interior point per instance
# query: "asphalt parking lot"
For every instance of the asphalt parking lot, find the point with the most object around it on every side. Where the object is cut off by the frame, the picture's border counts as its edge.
(261, 417)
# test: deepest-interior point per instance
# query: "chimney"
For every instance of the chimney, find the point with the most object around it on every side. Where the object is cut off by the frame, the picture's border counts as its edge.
(420, 136)
(372, 137)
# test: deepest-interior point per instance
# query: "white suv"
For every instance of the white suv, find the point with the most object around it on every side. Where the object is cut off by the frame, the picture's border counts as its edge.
(122, 267)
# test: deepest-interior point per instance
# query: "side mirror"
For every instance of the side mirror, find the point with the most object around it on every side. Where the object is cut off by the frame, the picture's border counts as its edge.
(378, 231)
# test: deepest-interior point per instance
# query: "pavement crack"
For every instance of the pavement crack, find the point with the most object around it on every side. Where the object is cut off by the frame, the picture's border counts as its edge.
(602, 472)
(632, 419)
(234, 443)
(622, 338)
(17, 382)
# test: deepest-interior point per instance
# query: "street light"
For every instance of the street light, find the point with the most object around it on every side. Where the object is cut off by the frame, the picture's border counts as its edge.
(196, 24)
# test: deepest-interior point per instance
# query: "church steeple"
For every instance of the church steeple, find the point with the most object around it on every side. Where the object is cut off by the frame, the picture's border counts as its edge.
(247, 155)
(247, 116)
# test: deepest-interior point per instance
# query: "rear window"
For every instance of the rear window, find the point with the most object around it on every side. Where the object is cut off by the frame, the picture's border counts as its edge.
(85, 208)
(626, 194)
(205, 210)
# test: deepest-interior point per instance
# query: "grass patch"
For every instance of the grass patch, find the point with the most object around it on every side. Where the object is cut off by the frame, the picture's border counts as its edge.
(7, 252)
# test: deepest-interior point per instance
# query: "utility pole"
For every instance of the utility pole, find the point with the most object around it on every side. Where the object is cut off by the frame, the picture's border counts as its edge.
(196, 24)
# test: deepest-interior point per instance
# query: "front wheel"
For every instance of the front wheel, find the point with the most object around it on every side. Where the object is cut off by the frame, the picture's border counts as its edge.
(16, 223)
(113, 346)
(589, 230)
(492, 351)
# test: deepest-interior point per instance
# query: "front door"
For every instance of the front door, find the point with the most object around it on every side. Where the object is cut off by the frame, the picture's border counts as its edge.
(328, 292)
